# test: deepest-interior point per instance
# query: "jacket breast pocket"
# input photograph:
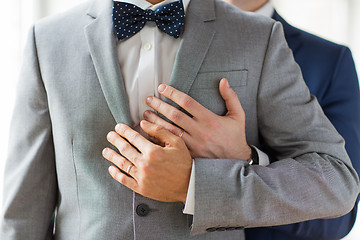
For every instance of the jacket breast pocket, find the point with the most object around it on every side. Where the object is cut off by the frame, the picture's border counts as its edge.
(236, 78)
(205, 88)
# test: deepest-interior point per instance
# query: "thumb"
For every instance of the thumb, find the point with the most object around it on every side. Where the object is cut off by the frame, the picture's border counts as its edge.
(232, 102)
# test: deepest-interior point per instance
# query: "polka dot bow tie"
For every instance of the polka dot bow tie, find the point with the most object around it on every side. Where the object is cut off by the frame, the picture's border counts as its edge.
(129, 19)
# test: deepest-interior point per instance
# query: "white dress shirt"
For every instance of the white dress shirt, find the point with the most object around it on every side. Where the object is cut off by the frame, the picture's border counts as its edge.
(267, 10)
(146, 60)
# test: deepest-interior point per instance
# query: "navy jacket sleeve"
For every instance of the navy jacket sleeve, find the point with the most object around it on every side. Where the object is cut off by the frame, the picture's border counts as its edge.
(330, 74)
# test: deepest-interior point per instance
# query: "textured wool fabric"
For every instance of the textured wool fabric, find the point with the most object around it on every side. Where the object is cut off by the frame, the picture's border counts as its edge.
(129, 19)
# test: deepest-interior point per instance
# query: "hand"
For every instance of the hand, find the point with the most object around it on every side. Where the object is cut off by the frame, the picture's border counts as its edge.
(206, 134)
(159, 173)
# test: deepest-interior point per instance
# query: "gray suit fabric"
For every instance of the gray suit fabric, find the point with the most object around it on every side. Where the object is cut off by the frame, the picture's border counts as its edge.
(71, 94)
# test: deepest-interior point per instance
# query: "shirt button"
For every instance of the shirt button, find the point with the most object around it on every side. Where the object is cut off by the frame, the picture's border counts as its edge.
(147, 46)
(142, 210)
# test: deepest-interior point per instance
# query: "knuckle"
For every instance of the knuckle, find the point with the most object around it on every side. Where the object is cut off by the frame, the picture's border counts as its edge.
(135, 160)
(157, 121)
(170, 91)
(175, 115)
(123, 147)
(121, 164)
(133, 136)
(187, 102)
(178, 141)
(157, 128)
(141, 165)
(157, 103)
(173, 130)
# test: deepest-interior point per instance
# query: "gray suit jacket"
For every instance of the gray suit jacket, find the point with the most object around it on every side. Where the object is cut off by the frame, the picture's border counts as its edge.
(71, 94)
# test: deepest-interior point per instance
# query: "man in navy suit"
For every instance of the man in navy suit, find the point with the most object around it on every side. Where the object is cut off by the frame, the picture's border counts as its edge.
(330, 74)
(329, 71)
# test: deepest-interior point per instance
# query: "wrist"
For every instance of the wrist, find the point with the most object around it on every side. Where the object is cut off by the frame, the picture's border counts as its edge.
(248, 154)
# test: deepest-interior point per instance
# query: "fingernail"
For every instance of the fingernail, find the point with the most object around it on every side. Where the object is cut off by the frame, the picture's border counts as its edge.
(105, 152)
(226, 82)
(146, 114)
(162, 87)
(110, 135)
(148, 100)
(144, 122)
(118, 127)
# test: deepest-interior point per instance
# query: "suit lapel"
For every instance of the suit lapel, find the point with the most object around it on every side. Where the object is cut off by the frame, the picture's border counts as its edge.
(103, 51)
(196, 40)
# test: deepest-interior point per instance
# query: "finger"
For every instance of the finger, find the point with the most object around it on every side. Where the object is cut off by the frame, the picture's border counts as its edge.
(232, 102)
(121, 162)
(123, 178)
(135, 138)
(123, 146)
(173, 114)
(159, 133)
(184, 101)
(153, 118)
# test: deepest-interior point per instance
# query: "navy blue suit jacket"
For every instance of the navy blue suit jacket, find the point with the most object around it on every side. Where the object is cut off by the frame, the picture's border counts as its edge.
(330, 74)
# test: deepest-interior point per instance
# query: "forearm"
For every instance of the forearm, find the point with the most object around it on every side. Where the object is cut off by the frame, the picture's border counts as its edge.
(230, 193)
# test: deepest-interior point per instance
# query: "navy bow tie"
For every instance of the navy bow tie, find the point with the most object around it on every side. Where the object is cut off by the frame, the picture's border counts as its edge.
(129, 19)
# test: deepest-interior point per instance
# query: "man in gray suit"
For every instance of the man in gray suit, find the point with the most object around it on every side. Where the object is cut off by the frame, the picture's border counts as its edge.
(78, 82)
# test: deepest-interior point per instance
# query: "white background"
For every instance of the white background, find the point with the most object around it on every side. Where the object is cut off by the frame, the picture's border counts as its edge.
(336, 20)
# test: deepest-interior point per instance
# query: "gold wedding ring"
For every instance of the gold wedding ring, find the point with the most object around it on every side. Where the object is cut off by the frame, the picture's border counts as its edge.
(181, 133)
(129, 169)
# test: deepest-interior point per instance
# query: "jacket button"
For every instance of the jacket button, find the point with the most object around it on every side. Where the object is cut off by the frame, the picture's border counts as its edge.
(142, 210)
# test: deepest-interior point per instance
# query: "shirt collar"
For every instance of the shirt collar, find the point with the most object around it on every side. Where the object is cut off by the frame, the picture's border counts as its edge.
(267, 10)
(143, 4)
